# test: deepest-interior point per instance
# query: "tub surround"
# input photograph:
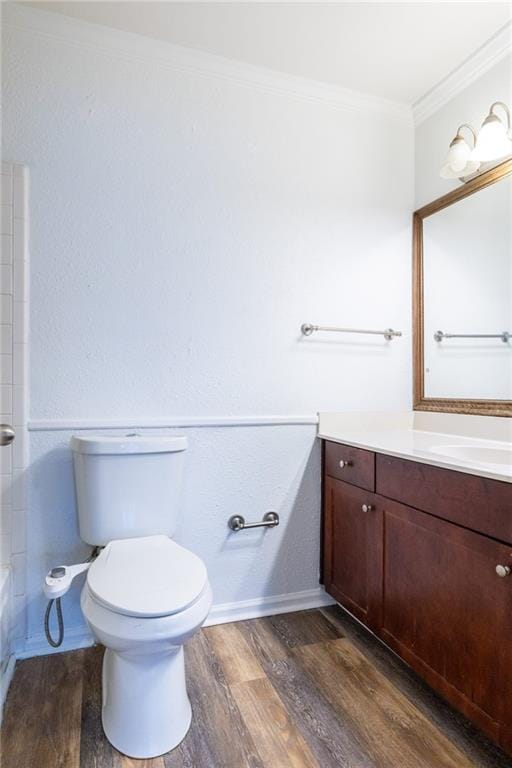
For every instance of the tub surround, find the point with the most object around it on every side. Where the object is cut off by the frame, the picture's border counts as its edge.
(476, 445)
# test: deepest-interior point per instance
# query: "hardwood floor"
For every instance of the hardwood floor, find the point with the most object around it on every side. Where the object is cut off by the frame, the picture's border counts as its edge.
(299, 690)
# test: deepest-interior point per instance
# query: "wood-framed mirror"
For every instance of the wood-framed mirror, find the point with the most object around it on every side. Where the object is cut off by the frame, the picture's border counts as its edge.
(462, 298)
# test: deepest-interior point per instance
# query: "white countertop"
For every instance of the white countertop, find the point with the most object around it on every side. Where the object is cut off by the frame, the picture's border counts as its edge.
(477, 445)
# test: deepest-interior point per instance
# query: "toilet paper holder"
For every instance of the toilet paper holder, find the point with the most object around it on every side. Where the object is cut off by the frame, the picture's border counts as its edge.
(237, 522)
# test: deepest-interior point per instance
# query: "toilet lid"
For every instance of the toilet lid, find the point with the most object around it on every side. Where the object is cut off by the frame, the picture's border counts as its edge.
(148, 576)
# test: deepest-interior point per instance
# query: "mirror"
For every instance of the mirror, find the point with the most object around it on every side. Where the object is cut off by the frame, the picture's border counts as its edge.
(463, 298)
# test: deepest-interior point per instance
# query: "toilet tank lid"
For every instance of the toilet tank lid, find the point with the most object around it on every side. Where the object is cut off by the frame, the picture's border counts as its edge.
(120, 444)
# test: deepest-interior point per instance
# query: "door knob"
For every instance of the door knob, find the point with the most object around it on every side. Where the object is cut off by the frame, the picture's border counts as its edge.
(503, 570)
(6, 434)
(344, 464)
(367, 508)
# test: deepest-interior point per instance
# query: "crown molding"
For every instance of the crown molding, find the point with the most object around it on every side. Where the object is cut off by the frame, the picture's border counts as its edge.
(138, 48)
(490, 53)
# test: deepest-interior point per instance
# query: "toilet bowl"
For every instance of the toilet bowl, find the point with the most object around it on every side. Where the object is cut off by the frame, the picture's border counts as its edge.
(143, 599)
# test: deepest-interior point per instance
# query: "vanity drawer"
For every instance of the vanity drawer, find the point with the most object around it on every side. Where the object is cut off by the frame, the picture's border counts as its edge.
(352, 465)
(477, 503)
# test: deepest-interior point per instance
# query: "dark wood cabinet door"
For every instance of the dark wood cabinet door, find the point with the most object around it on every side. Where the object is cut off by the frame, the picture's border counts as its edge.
(352, 549)
(448, 613)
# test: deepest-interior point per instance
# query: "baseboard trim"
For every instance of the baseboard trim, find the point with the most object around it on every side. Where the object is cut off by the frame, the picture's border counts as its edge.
(241, 610)
(224, 613)
(5, 682)
(37, 645)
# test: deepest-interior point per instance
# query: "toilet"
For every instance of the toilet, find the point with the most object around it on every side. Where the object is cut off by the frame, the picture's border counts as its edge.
(145, 595)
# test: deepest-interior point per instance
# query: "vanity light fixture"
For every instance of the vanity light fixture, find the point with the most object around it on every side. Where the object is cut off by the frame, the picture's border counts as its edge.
(494, 142)
(459, 161)
(495, 136)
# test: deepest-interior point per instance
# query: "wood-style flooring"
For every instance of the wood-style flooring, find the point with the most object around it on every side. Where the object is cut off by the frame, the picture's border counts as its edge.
(300, 690)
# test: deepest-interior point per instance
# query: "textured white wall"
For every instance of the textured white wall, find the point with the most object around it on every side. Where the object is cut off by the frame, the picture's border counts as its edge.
(184, 225)
(241, 470)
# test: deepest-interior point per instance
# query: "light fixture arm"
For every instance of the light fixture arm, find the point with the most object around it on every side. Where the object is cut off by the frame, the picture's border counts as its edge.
(505, 109)
(470, 129)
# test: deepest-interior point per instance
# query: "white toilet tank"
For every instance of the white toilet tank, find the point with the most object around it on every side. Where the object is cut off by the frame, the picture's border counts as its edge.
(127, 486)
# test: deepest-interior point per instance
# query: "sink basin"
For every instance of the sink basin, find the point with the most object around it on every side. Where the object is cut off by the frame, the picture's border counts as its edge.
(479, 454)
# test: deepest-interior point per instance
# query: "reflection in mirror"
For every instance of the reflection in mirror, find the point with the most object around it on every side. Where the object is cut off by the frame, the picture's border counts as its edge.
(467, 299)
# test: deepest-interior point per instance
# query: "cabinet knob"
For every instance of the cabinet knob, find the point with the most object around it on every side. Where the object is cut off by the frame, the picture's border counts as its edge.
(344, 464)
(367, 508)
(503, 570)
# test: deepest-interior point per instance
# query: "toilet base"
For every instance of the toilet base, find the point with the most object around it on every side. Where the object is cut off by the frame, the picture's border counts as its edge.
(146, 710)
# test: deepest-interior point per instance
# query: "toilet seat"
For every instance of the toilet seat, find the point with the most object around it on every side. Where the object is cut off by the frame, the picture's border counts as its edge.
(148, 577)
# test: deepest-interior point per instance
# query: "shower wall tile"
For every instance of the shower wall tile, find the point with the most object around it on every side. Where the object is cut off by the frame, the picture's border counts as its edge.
(18, 532)
(6, 460)
(5, 249)
(6, 278)
(6, 223)
(5, 399)
(5, 369)
(6, 336)
(5, 520)
(5, 308)
(7, 184)
(19, 566)
(13, 399)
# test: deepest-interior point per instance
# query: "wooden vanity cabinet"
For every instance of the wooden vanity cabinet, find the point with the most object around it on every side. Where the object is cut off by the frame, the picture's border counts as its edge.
(428, 586)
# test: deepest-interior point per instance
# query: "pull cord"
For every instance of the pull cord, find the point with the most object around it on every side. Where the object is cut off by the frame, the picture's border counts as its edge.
(60, 623)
